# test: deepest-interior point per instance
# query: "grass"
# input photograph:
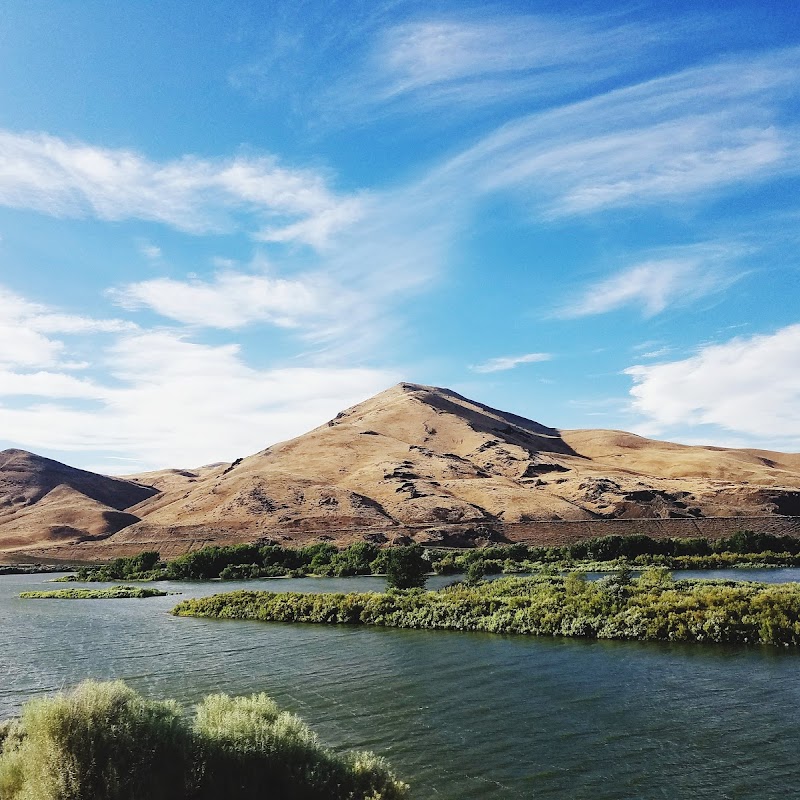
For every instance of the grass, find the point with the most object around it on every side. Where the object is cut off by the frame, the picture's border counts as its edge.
(103, 741)
(112, 593)
(651, 607)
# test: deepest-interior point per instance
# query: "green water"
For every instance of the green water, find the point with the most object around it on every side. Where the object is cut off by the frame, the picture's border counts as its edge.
(459, 715)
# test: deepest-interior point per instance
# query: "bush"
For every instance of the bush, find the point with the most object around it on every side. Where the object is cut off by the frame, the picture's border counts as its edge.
(102, 741)
(363, 558)
(650, 607)
(112, 593)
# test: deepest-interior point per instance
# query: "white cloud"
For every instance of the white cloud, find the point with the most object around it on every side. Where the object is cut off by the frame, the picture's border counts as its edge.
(72, 323)
(654, 285)
(680, 136)
(150, 251)
(503, 363)
(50, 175)
(468, 63)
(231, 300)
(25, 347)
(49, 384)
(169, 401)
(23, 326)
(660, 353)
(748, 386)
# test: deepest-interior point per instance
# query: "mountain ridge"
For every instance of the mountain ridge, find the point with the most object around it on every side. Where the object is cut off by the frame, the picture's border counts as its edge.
(418, 457)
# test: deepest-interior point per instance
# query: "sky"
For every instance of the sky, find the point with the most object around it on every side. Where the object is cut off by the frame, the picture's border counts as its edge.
(222, 223)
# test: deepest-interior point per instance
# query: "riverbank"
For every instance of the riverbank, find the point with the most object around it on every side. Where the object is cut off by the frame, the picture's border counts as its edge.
(652, 607)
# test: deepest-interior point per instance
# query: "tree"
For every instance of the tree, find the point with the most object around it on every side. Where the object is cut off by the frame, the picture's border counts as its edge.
(406, 568)
(476, 571)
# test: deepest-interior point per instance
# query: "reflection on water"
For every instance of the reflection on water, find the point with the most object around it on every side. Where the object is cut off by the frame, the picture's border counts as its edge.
(459, 715)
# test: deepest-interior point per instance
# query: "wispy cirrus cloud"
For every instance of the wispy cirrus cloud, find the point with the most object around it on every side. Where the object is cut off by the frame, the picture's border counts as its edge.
(680, 277)
(152, 252)
(251, 193)
(666, 140)
(468, 62)
(344, 298)
(504, 363)
(747, 385)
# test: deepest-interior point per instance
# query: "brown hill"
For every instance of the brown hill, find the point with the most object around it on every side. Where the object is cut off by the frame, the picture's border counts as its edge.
(43, 501)
(426, 463)
(421, 456)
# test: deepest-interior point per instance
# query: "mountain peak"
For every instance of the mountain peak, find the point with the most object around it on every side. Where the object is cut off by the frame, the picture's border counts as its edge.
(402, 463)
(476, 416)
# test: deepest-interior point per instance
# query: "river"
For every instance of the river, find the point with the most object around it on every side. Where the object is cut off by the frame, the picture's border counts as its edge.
(459, 715)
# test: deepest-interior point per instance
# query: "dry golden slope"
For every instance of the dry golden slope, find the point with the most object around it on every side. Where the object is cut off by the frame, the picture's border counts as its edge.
(416, 455)
(43, 501)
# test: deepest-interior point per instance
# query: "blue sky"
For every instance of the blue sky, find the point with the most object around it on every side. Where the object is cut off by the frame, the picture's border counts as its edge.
(221, 225)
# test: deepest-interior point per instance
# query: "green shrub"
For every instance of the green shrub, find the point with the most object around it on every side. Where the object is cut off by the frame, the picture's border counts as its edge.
(617, 607)
(244, 561)
(102, 741)
(112, 593)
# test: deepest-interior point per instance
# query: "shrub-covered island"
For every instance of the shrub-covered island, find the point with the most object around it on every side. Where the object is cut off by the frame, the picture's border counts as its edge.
(112, 593)
(242, 561)
(651, 607)
(102, 741)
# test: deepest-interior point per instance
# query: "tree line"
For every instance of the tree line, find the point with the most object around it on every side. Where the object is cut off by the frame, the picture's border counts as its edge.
(406, 566)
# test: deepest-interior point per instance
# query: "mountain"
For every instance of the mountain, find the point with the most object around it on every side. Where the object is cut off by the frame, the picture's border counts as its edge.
(43, 501)
(426, 463)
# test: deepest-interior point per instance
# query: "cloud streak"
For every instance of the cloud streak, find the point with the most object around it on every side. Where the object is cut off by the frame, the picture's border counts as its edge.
(468, 63)
(504, 363)
(27, 328)
(688, 274)
(230, 300)
(682, 136)
(195, 195)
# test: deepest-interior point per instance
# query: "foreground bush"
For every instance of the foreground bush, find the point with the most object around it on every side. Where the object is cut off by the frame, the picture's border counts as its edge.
(652, 607)
(103, 741)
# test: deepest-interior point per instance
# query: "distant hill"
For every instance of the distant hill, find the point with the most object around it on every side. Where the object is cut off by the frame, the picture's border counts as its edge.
(43, 501)
(416, 461)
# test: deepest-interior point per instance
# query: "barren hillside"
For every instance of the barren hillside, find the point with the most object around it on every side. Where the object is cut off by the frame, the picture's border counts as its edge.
(416, 458)
(43, 501)
(416, 455)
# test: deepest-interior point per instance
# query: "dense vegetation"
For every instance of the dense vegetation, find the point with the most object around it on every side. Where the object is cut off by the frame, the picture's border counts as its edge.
(243, 561)
(29, 569)
(112, 593)
(102, 741)
(745, 548)
(651, 607)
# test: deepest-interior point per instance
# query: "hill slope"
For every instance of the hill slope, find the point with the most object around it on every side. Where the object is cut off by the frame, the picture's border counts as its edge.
(416, 455)
(414, 459)
(43, 501)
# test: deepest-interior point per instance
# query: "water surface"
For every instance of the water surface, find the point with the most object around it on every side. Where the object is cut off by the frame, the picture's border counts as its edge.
(459, 715)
